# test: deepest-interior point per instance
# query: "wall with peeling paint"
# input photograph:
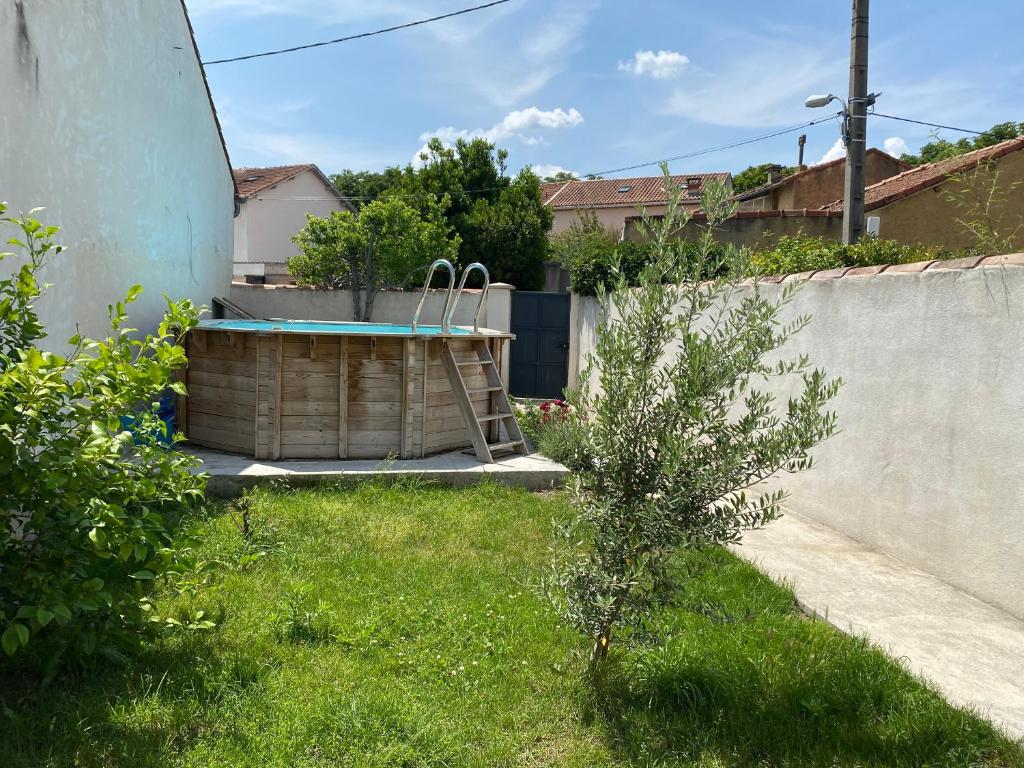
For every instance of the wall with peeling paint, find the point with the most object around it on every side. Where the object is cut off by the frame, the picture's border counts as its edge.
(105, 121)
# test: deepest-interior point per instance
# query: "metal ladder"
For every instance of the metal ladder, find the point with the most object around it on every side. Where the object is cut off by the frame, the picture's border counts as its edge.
(484, 430)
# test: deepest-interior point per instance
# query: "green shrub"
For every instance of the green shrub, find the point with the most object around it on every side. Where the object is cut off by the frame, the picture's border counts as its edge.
(594, 256)
(802, 254)
(555, 429)
(86, 507)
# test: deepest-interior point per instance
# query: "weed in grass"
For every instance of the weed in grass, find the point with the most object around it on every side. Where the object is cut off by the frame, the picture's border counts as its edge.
(298, 619)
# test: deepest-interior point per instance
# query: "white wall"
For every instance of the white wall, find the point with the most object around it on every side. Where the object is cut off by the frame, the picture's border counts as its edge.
(270, 220)
(929, 465)
(105, 120)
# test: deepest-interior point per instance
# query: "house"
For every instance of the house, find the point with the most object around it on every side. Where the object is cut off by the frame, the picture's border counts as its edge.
(817, 185)
(914, 207)
(107, 121)
(612, 201)
(273, 207)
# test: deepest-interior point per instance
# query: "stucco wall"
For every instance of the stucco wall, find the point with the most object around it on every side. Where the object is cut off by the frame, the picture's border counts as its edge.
(273, 217)
(106, 122)
(612, 218)
(929, 218)
(929, 462)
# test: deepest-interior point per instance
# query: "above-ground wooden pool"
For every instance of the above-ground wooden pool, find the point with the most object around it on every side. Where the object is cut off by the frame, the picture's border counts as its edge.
(285, 389)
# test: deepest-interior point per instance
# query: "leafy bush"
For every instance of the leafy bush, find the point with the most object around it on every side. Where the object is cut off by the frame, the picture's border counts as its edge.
(376, 248)
(802, 254)
(595, 257)
(588, 251)
(556, 429)
(679, 432)
(86, 507)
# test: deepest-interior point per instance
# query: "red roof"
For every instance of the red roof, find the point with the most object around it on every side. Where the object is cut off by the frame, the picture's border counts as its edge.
(253, 181)
(924, 176)
(594, 193)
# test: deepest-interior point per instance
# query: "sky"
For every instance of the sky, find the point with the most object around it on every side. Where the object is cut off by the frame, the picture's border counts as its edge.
(590, 86)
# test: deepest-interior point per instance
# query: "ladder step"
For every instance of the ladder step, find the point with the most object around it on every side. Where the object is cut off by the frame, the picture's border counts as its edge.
(495, 447)
(474, 362)
(482, 390)
(494, 416)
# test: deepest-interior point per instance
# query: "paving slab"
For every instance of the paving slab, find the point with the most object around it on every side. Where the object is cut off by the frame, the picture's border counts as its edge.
(229, 474)
(972, 652)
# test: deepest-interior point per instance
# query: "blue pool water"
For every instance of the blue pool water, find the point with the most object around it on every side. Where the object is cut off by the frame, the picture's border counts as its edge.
(309, 326)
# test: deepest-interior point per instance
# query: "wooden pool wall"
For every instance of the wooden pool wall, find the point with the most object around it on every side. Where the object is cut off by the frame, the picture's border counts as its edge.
(292, 396)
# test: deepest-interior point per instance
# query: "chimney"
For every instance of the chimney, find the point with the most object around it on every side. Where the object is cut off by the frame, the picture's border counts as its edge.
(775, 174)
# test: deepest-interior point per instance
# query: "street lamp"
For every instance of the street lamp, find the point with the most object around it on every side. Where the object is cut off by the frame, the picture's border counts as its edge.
(822, 100)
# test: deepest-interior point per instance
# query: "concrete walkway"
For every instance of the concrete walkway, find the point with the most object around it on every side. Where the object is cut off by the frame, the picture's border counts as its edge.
(971, 652)
(229, 474)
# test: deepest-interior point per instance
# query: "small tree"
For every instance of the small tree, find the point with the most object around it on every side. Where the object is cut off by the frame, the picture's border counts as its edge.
(87, 506)
(679, 434)
(376, 248)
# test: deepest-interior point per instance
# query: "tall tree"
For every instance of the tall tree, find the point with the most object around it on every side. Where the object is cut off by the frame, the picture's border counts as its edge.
(362, 187)
(756, 175)
(502, 220)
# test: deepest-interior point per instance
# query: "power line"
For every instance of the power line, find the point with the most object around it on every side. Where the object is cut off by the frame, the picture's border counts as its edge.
(686, 156)
(355, 37)
(720, 148)
(923, 122)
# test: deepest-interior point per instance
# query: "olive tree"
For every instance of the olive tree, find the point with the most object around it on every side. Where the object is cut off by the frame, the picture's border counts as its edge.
(682, 427)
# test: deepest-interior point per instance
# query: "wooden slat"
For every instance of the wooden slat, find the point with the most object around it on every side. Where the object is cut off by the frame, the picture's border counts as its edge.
(209, 436)
(409, 361)
(278, 394)
(223, 381)
(343, 397)
(425, 387)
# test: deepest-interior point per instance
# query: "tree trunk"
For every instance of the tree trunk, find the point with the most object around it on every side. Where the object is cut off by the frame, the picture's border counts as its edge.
(600, 651)
(371, 277)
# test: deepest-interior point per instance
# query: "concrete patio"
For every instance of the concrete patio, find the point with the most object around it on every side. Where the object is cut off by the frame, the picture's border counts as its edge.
(229, 474)
(970, 651)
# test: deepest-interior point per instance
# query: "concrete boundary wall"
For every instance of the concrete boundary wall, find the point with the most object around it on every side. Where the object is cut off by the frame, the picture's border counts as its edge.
(929, 463)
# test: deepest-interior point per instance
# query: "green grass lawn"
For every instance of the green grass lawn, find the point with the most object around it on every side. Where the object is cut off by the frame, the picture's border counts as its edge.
(402, 627)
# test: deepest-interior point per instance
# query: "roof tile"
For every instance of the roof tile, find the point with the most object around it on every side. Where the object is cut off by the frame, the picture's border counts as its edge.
(928, 175)
(586, 193)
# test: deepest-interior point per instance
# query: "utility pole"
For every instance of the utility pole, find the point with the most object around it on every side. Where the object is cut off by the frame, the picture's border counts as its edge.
(802, 142)
(853, 190)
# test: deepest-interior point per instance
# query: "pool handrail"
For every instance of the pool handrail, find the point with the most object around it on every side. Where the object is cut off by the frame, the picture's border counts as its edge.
(483, 295)
(426, 287)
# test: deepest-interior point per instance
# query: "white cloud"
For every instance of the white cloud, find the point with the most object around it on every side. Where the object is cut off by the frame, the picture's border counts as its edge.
(764, 87)
(521, 124)
(663, 65)
(895, 146)
(837, 151)
(543, 170)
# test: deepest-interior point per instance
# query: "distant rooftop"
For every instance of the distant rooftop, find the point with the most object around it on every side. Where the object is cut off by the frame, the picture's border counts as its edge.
(643, 190)
(928, 175)
(252, 181)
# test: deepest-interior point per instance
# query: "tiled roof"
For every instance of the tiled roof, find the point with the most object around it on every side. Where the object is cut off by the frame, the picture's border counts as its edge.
(252, 181)
(758, 191)
(928, 175)
(587, 193)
